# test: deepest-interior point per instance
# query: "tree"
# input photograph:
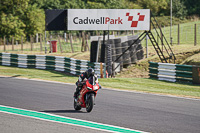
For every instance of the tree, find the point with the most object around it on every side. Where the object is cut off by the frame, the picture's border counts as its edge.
(132, 4)
(72, 4)
(11, 23)
(34, 20)
(115, 4)
(14, 6)
(105, 4)
(11, 26)
(39, 3)
(19, 18)
(155, 5)
(51, 4)
(192, 6)
(179, 9)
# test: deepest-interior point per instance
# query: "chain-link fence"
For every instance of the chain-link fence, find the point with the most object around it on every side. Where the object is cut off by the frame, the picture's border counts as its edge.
(65, 43)
(183, 33)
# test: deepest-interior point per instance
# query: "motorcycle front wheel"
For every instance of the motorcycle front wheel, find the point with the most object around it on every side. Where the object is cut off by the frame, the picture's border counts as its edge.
(90, 103)
(76, 106)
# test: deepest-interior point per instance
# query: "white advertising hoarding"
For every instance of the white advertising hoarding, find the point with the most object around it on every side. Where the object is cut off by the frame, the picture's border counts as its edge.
(108, 19)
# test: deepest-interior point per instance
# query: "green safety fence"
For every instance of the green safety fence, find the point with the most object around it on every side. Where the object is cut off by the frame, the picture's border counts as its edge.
(58, 63)
(174, 72)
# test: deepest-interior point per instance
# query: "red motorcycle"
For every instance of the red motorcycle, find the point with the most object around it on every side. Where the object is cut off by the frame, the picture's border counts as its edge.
(86, 97)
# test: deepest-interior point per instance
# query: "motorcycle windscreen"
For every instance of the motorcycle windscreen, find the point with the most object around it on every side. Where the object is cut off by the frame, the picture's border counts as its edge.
(92, 80)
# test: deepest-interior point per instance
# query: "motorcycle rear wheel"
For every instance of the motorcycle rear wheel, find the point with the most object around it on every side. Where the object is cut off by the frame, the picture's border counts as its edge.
(76, 106)
(90, 103)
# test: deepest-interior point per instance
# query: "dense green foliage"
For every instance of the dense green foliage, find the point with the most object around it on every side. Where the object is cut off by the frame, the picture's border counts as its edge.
(179, 9)
(26, 17)
(19, 18)
(192, 6)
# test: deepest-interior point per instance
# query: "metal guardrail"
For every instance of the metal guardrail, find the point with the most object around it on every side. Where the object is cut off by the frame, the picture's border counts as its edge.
(58, 63)
(174, 72)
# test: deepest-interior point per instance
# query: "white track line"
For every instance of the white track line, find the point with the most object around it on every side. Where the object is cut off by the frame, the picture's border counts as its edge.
(68, 118)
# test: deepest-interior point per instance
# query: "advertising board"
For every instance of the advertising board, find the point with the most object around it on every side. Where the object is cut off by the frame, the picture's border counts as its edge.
(108, 19)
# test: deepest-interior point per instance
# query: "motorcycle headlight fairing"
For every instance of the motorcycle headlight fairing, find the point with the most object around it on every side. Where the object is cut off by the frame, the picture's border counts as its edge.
(89, 88)
(96, 87)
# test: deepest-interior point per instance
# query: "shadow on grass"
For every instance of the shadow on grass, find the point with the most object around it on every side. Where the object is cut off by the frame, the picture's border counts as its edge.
(178, 82)
(15, 76)
(60, 73)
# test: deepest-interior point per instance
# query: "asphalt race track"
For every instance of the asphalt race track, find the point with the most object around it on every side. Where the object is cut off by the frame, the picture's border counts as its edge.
(139, 111)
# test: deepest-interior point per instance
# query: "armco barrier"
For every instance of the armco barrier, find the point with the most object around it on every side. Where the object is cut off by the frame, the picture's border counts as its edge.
(58, 63)
(174, 72)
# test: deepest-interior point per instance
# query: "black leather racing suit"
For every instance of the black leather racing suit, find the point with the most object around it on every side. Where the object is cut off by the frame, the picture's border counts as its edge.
(79, 82)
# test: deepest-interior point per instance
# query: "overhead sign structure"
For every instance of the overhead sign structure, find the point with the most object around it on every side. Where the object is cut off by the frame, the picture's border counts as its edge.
(55, 19)
(108, 19)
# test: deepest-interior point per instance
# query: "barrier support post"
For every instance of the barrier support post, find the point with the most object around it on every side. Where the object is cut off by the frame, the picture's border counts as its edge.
(101, 69)
(21, 43)
(4, 43)
(196, 74)
(12, 43)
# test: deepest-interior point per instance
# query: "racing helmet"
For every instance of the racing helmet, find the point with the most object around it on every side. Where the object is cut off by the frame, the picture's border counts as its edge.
(90, 72)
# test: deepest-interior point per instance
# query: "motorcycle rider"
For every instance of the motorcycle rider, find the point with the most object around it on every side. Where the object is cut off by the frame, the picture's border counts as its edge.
(88, 73)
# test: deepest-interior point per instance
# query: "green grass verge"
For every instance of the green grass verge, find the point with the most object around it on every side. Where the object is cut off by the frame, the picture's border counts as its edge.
(152, 86)
(137, 84)
(37, 74)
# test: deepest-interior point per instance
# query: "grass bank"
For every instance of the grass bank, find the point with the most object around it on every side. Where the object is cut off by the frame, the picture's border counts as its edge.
(193, 60)
(136, 84)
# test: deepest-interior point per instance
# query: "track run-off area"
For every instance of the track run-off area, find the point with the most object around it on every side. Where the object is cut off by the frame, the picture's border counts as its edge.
(32, 106)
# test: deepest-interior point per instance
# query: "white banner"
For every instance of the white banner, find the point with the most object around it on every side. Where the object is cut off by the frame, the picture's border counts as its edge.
(108, 19)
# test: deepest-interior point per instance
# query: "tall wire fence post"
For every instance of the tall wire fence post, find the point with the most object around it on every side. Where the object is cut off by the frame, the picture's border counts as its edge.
(21, 43)
(60, 44)
(178, 34)
(4, 43)
(12, 43)
(45, 39)
(31, 42)
(71, 43)
(40, 42)
(195, 34)
(37, 38)
(87, 45)
(50, 43)
(83, 42)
